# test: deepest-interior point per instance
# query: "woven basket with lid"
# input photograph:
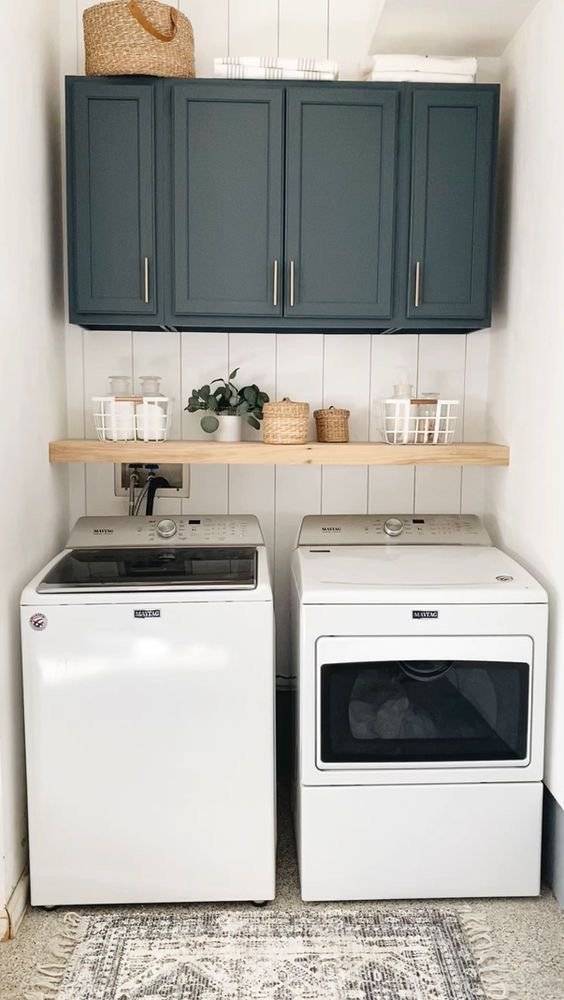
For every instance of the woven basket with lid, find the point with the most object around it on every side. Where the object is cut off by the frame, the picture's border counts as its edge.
(285, 422)
(138, 38)
(332, 424)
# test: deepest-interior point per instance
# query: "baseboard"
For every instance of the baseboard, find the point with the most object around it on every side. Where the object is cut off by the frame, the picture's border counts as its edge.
(13, 913)
(553, 845)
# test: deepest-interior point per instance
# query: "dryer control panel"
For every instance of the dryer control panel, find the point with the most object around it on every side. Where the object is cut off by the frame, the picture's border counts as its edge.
(393, 529)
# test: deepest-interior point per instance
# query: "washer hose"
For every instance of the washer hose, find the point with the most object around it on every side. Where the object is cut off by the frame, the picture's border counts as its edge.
(155, 482)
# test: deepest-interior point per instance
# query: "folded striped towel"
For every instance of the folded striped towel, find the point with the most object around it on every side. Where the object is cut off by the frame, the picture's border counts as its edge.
(257, 73)
(301, 65)
(397, 63)
(406, 77)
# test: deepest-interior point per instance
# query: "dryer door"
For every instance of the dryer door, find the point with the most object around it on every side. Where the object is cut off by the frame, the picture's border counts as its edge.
(427, 702)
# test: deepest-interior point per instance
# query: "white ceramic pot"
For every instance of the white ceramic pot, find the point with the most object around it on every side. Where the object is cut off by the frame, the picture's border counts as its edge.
(230, 427)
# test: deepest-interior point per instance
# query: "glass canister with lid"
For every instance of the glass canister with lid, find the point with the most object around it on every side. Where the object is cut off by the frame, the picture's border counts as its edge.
(152, 410)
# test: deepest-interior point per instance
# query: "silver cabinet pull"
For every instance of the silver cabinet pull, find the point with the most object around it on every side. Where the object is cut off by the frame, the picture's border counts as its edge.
(146, 295)
(417, 283)
(275, 283)
(292, 283)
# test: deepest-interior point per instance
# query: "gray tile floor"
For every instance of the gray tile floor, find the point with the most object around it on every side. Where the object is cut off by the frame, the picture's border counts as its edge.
(528, 933)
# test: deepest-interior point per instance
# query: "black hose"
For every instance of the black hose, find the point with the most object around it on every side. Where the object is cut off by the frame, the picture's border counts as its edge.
(155, 483)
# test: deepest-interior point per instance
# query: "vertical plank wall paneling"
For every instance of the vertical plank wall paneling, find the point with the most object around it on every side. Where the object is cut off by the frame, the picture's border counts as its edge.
(476, 388)
(161, 356)
(210, 21)
(251, 488)
(354, 370)
(297, 489)
(440, 369)
(351, 29)
(107, 352)
(345, 489)
(394, 360)
(253, 27)
(303, 28)
(203, 355)
(76, 416)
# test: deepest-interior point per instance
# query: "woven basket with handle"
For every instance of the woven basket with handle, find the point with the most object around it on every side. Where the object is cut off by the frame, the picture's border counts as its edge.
(138, 37)
(332, 424)
(285, 422)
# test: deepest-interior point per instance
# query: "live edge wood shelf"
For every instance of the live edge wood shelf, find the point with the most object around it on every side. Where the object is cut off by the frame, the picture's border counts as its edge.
(257, 453)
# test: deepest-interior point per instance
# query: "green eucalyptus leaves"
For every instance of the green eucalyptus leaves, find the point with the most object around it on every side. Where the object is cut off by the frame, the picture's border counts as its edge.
(227, 398)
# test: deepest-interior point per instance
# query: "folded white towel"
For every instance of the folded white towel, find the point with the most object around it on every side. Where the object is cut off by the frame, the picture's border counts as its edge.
(462, 65)
(226, 72)
(302, 64)
(384, 77)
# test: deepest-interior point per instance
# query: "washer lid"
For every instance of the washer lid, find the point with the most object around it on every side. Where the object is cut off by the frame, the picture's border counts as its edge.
(359, 574)
(154, 568)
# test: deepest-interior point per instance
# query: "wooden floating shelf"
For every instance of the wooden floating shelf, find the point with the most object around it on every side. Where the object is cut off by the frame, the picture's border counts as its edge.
(257, 453)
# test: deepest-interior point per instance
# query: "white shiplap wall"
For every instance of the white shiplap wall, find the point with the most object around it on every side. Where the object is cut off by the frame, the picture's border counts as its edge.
(353, 370)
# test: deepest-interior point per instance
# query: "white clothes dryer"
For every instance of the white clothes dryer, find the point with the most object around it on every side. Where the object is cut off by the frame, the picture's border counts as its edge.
(149, 713)
(420, 654)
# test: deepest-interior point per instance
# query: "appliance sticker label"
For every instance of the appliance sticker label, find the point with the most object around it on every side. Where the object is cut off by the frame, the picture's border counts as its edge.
(424, 614)
(146, 613)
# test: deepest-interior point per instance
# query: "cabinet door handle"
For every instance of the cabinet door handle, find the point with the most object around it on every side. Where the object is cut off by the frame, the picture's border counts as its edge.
(146, 290)
(275, 283)
(418, 269)
(292, 283)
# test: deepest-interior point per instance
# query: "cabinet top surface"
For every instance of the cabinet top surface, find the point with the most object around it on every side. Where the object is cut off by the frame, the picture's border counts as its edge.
(277, 84)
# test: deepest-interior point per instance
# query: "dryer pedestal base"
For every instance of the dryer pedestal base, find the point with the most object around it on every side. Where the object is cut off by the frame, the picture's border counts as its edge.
(419, 841)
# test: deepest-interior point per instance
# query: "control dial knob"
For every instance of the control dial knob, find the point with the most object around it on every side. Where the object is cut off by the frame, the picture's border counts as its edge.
(166, 528)
(393, 526)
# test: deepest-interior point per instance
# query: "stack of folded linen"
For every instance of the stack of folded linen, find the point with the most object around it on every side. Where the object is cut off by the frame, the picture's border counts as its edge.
(272, 68)
(419, 69)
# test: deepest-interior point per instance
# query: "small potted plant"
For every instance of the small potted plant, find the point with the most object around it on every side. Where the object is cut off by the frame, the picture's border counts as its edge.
(226, 406)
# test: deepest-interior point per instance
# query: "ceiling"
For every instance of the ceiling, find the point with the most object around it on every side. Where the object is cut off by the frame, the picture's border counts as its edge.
(449, 27)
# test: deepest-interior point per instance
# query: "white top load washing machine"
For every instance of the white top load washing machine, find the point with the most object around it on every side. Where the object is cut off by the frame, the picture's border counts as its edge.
(420, 653)
(149, 713)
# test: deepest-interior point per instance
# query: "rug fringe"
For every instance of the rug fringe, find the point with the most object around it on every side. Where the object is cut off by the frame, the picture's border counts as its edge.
(49, 977)
(492, 972)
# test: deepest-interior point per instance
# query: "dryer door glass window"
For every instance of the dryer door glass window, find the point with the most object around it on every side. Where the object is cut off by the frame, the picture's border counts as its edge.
(409, 711)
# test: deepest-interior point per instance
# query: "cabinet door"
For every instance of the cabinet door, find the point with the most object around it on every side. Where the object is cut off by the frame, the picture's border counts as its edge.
(453, 159)
(111, 163)
(227, 200)
(341, 186)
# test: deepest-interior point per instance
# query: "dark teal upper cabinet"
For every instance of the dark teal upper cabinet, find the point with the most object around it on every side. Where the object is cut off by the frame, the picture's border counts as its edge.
(111, 203)
(340, 201)
(453, 148)
(226, 200)
(280, 205)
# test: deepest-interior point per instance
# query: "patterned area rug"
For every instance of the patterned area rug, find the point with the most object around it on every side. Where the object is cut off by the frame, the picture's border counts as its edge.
(240, 954)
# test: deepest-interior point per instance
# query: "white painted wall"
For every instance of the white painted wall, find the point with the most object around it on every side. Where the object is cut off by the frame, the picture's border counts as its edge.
(355, 370)
(33, 498)
(526, 502)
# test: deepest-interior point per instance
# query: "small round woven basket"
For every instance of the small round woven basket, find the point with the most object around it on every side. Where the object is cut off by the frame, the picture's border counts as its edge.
(138, 38)
(332, 424)
(285, 422)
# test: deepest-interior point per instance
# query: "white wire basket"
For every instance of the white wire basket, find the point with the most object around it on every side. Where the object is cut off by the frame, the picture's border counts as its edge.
(131, 418)
(419, 421)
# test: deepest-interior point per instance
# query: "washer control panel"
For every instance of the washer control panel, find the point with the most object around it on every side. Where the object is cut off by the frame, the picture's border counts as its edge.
(393, 529)
(175, 530)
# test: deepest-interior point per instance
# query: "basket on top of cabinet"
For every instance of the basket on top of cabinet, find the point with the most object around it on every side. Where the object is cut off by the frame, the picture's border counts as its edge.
(276, 205)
